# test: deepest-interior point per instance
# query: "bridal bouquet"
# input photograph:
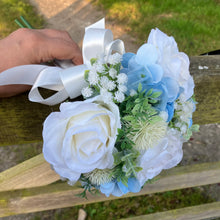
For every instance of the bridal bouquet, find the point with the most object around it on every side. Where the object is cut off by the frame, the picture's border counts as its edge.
(136, 114)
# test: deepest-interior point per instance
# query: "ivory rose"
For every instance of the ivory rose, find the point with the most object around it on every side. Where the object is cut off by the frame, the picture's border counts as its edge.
(81, 137)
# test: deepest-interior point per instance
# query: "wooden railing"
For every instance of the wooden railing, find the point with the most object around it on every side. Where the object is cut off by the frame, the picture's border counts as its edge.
(32, 186)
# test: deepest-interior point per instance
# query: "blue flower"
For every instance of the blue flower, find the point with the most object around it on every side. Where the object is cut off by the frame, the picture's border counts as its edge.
(118, 188)
(170, 111)
(143, 68)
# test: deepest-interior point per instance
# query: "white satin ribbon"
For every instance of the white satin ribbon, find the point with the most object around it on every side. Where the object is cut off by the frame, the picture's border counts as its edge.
(67, 82)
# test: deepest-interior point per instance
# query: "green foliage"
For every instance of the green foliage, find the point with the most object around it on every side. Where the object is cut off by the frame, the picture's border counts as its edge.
(87, 186)
(125, 164)
(11, 10)
(133, 109)
(194, 24)
(193, 128)
(177, 120)
(138, 107)
(93, 61)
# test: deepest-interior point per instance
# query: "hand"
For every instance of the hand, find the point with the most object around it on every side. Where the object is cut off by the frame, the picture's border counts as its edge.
(28, 46)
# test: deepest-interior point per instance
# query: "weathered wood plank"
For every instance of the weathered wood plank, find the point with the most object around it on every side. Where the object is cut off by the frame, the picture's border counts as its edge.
(31, 173)
(21, 120)
(37, 172)
(60, 195)
(207, 89)
(205, 211)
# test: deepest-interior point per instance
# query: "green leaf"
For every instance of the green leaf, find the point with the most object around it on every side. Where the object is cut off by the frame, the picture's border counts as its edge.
(155, 94)
(149, 92)
(93, 60)
(128, 118)
(86, 75)
(137, 169)
(195, 128)
(139, 87)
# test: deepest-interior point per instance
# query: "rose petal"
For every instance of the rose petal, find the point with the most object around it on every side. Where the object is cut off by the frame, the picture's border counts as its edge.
(53, 134)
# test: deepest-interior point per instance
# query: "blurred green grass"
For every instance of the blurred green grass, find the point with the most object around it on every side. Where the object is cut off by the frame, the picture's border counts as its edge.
(194, 24)
(12, 9)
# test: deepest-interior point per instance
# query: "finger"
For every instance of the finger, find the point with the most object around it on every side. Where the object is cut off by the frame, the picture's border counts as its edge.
(56, 48)
(11, 90)
(52, 33)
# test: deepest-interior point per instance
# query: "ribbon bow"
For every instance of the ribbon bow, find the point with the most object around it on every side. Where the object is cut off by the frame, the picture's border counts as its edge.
(67, 82)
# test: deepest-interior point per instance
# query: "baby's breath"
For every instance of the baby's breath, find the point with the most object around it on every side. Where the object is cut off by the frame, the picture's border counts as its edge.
(122, 78)
(114, 59)
(119, 96)
(104, 78)
(87, 92)
(112, 73)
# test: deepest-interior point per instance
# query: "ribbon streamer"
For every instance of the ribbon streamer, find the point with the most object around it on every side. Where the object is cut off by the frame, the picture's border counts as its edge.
(69, 80)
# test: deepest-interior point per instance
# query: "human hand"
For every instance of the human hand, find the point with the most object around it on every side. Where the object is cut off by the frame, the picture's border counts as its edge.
(31, 46)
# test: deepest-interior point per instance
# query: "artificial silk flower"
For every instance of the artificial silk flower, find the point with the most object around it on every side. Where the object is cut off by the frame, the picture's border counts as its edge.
(81, 137)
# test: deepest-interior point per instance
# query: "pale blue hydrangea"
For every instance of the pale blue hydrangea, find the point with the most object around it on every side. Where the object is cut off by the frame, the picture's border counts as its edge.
(118, 188)
(143, 68)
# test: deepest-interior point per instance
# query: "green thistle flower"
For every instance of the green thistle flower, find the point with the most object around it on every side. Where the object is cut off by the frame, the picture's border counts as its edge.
(148, 134)
(98, 176)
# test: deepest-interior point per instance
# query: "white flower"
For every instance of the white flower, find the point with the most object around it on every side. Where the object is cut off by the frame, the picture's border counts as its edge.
(174, 63)
(122, 78)
(184, 109)
(113, 73)
(81, 137)
(164, 115)
(122, 88)
(93, 77)
(104, 81)
(119, 96)
(114, 58)
(111, 85)
(108, 97)
(133, 92)
(183, 129)
(167, 154)
(99, 67)
(87, 92)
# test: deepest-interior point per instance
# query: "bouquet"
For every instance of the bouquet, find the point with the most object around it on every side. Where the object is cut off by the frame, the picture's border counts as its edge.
(135, 116)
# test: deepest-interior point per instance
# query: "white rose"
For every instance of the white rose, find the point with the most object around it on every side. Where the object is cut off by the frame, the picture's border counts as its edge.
(167, 154)
(81, 137)
(174, 63)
